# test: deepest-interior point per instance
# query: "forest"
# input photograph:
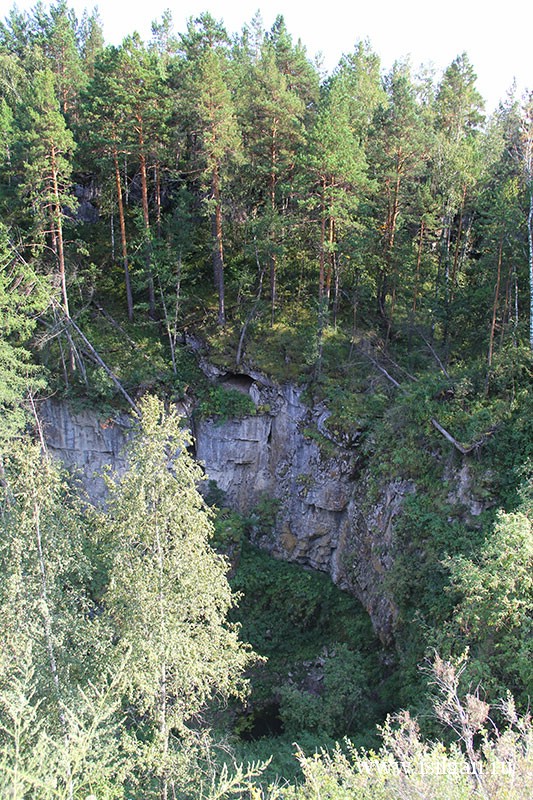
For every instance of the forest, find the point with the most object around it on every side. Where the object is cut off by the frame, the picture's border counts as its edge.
(365, 236)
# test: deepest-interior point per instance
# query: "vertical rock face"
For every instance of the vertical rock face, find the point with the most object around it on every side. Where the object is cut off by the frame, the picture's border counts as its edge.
(320, 522)
(236, 455)
(269, 454)
(86, 444)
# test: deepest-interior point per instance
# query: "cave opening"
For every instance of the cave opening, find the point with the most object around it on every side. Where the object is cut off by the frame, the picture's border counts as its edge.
(263, 722)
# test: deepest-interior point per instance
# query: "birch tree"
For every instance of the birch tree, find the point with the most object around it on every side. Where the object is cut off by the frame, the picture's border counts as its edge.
(60, 721)
(169, 595)
(22, 297)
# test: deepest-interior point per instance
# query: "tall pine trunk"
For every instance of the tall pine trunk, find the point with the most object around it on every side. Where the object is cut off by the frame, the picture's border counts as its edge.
(530, 244)
(272, 190)
(123, 239)
(322, 257)
(58, 231)
(494, 314)
(218, 248)
(146, 219)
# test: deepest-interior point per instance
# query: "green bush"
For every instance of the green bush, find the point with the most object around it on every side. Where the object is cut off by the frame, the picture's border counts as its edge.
(224, 404)
(339, 699)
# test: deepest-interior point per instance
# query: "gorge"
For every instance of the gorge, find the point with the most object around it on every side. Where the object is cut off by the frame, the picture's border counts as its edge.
(326, 517)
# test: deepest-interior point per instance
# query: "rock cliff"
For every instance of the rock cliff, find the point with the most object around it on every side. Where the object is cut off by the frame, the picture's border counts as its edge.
(323, 520)
(320, 522)
(85, 442)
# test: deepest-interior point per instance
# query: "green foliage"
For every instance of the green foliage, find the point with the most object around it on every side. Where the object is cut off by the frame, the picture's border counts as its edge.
(22, 297)
(288, 349)
(224, 404)
(60, 718)
(339, 698)
(496, 605)
(263, 515)
(86, 758)
(44, 543)
(167, 645)
(497, 765)
(369, 240)
(306, 626)
(172, 629)
(354, 409)
(302, 599)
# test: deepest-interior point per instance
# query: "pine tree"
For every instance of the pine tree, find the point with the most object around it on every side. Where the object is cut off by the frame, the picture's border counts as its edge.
(458, 115)
(91, 41)
(336, 161)
(46, 182)
(212, 122)
(360, 74)
(272, 120)
(140, 84)
(103, 127)
(61, 46)
(400, 150)
(525, 154)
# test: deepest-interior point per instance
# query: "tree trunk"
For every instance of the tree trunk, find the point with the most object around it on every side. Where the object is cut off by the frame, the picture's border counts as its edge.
(122, 220)
(146, 218)
(58, 223)
(337, 295)
(507, 301)
(530, 243)
(418, 266)
(273, 286)
(322, 262)
(457, 250)
(494, 313)
(272, 191)
(331, 256)
(163, 697)
(253, 310)
(172, 327)
(393, 211)
(157, 180)
(218, 249)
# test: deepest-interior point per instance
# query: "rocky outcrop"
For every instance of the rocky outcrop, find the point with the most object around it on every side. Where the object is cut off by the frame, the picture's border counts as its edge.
(324, 520)
(86, 443)
(369, 551)
(270, 454)
(322, 516)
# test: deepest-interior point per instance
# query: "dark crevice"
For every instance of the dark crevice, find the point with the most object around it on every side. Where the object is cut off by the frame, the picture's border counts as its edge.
(262, 722)
(242, 383)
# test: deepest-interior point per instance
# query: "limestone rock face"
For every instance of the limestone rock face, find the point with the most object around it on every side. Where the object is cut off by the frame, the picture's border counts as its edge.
(85, 443)
(320, 522)
(236, 455)
(323, 520)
